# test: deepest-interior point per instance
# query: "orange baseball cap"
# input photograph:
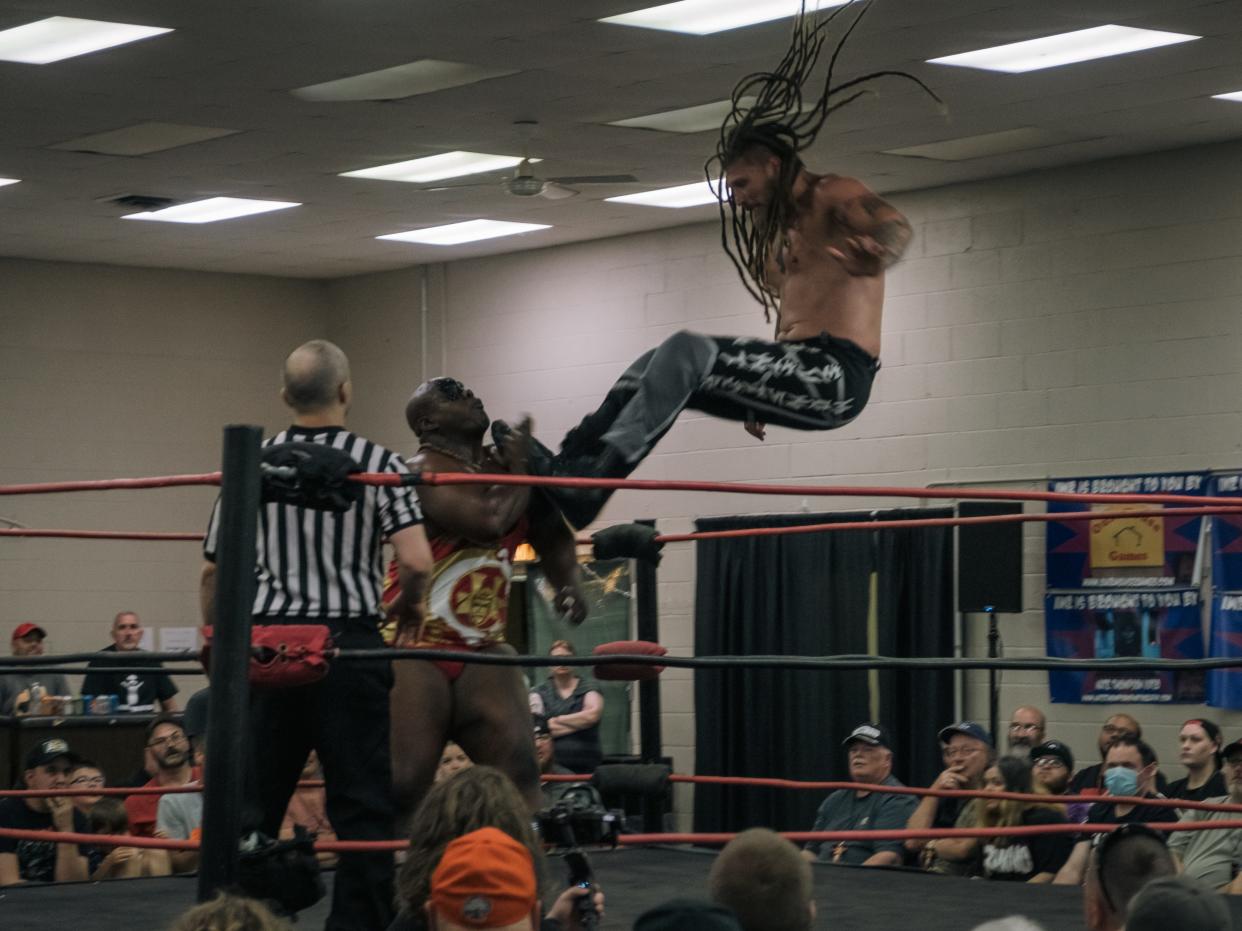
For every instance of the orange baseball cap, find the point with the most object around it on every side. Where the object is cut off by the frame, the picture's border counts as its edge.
(485, 879)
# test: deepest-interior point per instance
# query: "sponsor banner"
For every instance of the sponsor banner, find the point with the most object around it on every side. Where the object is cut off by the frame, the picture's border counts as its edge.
(1108, 624)
(1227, 536)
(1125, 551)
(1224, 686)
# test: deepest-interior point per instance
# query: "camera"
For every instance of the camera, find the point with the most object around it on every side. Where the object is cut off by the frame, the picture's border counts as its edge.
(579, 819)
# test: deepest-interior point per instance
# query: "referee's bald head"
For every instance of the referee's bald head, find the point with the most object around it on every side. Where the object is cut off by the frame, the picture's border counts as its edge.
(315, 377)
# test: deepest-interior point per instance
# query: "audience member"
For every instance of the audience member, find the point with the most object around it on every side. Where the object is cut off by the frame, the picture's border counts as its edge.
(1120, 865)
(168, 759)
(870, 756)
(1089, 780)
(1214, 857)
(47, 766)
(761, 877)
(1052, 762)
(452, 761)
(1200, 744)
(1019, 858)
(1026, 730)
(308, 809)
(485, 879)
(687, 915)
(573, 707)
(108, 817)
(151, 691)
(545, 755)
(967, 751)
(31, 691)
(1130, 770)
(179, 815)
(1177, 902)
(85, 775)
(475, 798)
(230, 913)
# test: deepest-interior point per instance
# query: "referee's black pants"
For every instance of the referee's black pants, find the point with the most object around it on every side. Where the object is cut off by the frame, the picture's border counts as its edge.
(344, 718)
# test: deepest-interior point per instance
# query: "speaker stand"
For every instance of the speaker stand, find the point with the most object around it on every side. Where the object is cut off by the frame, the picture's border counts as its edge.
(993, 688)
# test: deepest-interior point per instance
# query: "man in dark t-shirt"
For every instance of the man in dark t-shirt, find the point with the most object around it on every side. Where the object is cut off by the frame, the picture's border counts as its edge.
(47, 767)
(134, 692)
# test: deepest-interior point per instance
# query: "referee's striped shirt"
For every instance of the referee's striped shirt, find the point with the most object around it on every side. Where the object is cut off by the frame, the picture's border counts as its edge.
(319, 564)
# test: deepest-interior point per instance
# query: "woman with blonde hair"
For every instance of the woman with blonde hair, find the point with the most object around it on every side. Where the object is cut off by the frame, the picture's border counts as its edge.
(1015, 858)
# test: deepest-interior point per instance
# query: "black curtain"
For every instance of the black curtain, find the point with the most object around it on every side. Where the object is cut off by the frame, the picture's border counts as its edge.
(914, 610)
(805, 594)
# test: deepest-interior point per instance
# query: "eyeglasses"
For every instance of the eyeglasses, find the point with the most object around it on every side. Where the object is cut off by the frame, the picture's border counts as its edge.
(88, 781)
(167, 741)
(1015, 726)
(960, 753)
(1114, 730)
(1046, 762)
(1110, 841)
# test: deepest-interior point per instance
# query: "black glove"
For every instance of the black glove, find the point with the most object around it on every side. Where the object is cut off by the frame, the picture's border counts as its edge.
(282, 873)
(310, 475)
(628, 541)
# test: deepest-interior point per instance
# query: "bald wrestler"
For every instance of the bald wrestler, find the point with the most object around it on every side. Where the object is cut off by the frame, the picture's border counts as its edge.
(474, 531)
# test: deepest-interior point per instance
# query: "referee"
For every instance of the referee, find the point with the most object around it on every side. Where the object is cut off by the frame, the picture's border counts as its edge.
(322, 567)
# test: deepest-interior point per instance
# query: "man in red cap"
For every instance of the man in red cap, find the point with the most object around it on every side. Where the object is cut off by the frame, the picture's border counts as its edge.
(20, 691)
(485, 879)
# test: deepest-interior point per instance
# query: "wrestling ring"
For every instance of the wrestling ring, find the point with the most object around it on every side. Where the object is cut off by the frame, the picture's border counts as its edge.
(645, 868)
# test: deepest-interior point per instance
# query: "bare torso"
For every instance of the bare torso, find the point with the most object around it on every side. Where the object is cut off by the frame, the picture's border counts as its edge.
(817, 294)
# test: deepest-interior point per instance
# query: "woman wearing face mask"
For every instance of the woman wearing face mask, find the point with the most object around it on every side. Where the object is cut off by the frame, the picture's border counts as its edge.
(1200, 744)
(1129, 771)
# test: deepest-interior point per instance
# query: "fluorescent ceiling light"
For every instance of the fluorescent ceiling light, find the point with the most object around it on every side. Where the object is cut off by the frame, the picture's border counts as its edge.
(1022, 139)
(686, 120)
(4, 181)
(470, 231)
(684, 195)
(1232, 95)
(416, 77)
(211, 210)
(1064, 49)
(61, 37)
(142, 139)
(702, 17)
(438, 167)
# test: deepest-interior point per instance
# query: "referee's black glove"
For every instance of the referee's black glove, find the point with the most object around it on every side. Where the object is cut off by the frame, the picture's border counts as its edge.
(310, 475)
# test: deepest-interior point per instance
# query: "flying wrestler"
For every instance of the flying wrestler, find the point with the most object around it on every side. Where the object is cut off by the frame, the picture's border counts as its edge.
(474, 531)
(813, 248)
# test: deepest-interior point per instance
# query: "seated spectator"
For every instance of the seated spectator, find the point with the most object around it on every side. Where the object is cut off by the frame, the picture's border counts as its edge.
(1178, 902)
(545, 755)
(687, 915)
(764, 881)
(1131, 772)
(168, 758)
(968, 752)
(308, 809)
(230, 913)
(1026, 730)
(85, 775)
(452, 761)
(47, 766)
(1199, 751)
(485, 879)
(152, 691)
(1052, 762)
(179, 816)
(108, 817)
(19, 691)
(573, 707)
(1120, 865)
(475, 798)
(1214, 857)
(1019, 858)
(1090, 780)
(870, 756)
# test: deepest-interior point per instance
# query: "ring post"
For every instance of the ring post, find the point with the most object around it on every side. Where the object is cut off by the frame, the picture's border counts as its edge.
(227, 718)
(649, 732)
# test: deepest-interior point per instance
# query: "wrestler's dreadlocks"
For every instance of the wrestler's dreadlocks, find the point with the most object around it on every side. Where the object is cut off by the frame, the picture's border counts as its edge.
(768, 112)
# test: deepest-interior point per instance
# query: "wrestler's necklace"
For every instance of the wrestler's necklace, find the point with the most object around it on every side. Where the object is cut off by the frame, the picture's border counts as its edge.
(470, 466)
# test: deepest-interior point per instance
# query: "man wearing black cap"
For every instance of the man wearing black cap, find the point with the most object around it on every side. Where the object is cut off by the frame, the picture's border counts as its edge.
(47, 767)
(1052, 762)
(19, 691)
(967, 750)
(870, 761)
